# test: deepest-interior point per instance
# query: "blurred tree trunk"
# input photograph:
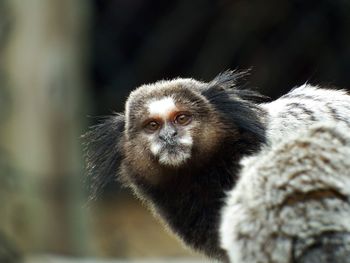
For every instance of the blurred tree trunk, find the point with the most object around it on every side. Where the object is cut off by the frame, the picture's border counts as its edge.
(43, 65)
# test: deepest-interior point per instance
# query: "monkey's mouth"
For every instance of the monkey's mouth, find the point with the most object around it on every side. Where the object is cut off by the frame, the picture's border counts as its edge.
(173, 159)
(173, 154)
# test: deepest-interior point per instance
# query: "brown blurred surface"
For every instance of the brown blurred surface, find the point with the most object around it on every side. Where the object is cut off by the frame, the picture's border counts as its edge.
(123, 228)
(54, 259)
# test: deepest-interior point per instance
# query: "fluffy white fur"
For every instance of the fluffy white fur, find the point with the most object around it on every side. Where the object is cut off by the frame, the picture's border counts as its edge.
(297, 186)
(155, 148)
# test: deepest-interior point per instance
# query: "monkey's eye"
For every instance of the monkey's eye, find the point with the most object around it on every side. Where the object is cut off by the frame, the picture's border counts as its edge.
(183, 119)
(151, 126)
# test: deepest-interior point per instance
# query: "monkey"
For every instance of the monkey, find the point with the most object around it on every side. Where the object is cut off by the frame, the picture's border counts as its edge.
(181, 146)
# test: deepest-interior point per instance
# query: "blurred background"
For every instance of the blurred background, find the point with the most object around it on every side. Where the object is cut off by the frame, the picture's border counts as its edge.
(63, 63)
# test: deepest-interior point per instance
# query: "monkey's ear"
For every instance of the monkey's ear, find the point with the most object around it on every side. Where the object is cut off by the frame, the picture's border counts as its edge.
(236, 105)
(235, 83)
(103, 153)
(230, 78)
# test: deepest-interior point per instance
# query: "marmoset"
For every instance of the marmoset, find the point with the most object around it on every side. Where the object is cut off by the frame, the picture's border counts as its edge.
(182, 145)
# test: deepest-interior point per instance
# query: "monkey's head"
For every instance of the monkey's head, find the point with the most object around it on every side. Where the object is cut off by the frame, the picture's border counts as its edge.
(175, 126)
(170, 123)
(178, 146)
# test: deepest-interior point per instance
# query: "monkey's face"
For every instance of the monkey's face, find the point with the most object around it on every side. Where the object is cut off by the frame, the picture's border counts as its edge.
(167, 129)
(171, 124)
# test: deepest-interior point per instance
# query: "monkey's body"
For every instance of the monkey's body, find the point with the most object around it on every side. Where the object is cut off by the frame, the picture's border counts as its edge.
(181, 144)
(292, 202)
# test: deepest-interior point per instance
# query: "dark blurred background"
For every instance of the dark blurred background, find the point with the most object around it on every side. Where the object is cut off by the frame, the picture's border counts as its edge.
(64, 63)
(285, 43)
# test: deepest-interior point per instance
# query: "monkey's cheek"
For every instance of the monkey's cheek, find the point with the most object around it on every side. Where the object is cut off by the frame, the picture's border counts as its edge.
(186, 140)
(156, 148)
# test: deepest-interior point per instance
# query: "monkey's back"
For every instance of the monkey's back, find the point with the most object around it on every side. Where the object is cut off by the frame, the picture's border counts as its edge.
(304, 106)
(292, 201)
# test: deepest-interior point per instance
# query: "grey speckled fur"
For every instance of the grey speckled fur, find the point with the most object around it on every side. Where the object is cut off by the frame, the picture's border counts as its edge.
(292, 201)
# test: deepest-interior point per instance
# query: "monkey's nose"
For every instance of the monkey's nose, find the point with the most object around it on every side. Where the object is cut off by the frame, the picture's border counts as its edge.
(168, 134)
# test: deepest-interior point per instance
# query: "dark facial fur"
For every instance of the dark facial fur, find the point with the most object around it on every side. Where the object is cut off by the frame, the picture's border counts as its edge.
(187, 189)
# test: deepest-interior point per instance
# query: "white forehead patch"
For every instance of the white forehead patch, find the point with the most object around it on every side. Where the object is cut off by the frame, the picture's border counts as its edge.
(162, 107)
